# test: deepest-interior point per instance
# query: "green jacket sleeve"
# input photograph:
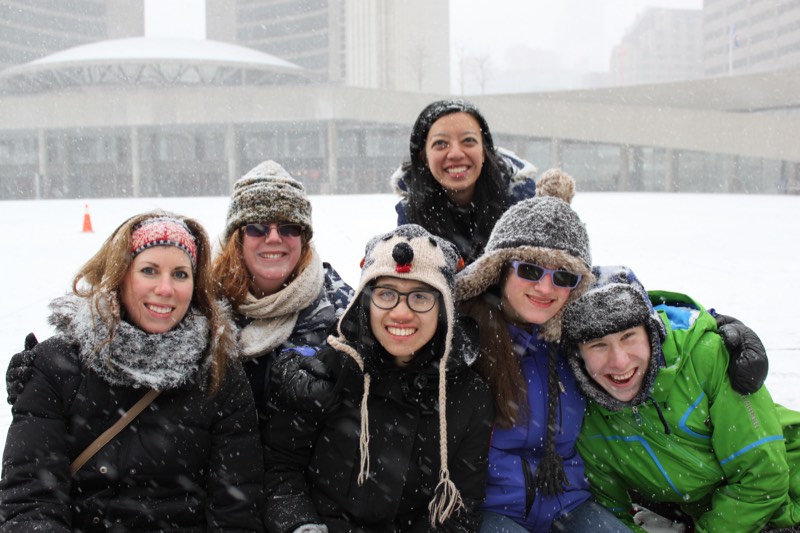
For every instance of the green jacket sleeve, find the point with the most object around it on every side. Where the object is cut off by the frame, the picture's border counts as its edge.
(748, 442)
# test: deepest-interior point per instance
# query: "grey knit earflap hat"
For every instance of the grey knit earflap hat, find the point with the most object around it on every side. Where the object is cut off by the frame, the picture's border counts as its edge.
(615, 302)
(410, 252)
(543, 230)
(267, 193)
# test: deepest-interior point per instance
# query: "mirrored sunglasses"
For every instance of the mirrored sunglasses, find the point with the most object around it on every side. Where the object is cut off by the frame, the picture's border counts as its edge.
(531, 272)
(284, 230)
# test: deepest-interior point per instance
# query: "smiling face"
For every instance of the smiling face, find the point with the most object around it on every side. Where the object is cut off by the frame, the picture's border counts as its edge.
(532, 302)
(401, 331)
(157, 288)
(618, 362)
(270, 259)
(454, 154)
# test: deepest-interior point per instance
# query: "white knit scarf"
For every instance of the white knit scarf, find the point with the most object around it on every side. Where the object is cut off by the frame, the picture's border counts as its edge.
(276, 315)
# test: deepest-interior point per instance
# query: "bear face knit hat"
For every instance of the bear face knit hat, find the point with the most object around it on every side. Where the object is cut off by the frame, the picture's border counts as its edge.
(267, 193)
(433, 112)
(615, 302)
(410, 252)
(542, 230)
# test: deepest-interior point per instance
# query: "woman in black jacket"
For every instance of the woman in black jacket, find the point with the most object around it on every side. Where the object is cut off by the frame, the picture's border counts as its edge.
(404, 447)
(142, 315)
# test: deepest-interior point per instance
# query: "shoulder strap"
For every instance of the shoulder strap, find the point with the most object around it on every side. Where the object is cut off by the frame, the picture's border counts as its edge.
(126, 418)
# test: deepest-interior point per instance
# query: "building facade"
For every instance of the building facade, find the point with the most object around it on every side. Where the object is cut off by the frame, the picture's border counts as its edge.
(376, 44)
(32, 29)
(663, 45)
(750, 36)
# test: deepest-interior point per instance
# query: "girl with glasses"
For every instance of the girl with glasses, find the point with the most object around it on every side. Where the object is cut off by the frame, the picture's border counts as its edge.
(536, 261)
(401, 444)
(142, 316)
(456, 183)
(281, 292)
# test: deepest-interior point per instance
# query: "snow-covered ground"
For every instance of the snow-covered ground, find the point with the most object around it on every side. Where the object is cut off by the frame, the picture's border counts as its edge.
(736, 253)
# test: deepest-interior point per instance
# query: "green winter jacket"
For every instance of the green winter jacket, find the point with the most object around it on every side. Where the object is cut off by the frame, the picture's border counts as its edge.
(732, 462)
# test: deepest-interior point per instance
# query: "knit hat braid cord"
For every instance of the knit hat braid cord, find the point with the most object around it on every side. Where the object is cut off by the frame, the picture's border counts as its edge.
(410, 252)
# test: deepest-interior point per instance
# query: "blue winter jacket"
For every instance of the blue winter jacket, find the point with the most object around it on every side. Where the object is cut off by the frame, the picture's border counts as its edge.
(515, 452)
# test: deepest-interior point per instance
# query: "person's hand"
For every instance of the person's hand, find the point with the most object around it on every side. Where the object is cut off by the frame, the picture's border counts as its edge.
(20, 369)
(749, 364)
(655, 523)
(304, 382)
(312, 528)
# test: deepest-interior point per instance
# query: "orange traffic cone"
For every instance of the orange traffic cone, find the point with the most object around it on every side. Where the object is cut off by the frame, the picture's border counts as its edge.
(87, 221)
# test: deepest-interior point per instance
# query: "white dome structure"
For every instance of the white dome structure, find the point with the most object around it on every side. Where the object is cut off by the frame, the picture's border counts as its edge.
(160, 62)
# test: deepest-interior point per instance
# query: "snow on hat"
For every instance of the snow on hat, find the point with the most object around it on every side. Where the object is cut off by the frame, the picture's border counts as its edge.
(268, 194)
(546, 231)
(163, 231)
(615, 302)
(410, 252)
(433, 112)
(543, 230)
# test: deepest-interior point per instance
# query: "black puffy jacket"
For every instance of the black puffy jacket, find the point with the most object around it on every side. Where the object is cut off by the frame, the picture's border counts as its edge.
(312, 459)
(187, 463)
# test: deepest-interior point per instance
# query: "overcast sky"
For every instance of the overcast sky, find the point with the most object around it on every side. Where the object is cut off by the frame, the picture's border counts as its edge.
(578, 33)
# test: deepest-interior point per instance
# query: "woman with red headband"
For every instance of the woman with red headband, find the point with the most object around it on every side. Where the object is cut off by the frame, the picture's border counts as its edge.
(142, 324)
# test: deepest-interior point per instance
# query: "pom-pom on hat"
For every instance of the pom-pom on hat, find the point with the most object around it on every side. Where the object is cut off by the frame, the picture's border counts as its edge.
(615, 302)
(163, 231)
(542, 230)
(268, 194)
(410, 252)
(433, 112)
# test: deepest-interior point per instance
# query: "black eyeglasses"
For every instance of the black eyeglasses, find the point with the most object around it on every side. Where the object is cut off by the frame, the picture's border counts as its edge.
(284, 230)
(418, 301)
(561, 278)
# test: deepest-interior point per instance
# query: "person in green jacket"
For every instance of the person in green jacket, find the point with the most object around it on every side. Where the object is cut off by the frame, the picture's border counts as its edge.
(664, 424)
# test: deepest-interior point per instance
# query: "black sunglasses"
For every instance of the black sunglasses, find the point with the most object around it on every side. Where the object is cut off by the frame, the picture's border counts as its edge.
(531, 272)
(262, 230)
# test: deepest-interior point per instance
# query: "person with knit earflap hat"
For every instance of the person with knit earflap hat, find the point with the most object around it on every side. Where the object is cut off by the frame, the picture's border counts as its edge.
(404, 446)
(537, 260)
(281, 292)
(664, 423)
(456, 183)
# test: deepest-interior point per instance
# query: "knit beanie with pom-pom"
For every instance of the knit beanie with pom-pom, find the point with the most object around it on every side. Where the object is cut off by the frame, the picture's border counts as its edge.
(410, 252)
(267, 193)
(546, 231)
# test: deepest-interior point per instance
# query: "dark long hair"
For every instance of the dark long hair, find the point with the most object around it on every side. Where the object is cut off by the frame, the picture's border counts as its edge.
(427, 202)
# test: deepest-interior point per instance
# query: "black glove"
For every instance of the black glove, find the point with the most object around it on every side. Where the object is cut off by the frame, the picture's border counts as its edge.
(304, 382)
(20, 369)
(749, 364)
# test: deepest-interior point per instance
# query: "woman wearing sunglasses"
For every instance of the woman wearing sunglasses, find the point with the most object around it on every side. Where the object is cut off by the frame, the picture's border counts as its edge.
(536, 260)
(404, 446)
(281, 292)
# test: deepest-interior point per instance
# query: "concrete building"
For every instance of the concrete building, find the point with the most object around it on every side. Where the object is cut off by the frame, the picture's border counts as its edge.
(164, 117)
(376, 44)
(32, 29)
(745, 37)
(103, 121)
(663, 45)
